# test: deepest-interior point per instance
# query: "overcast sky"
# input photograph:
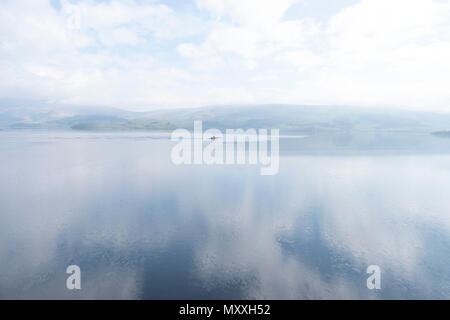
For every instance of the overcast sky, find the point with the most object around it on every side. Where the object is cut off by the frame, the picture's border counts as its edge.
(139, 55)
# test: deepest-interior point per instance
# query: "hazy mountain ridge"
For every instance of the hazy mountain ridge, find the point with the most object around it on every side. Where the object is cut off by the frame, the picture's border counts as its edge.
(445, 134)
(306, 119)
(134, 125)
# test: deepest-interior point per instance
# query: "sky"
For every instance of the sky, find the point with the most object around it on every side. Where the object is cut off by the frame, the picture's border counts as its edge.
(143, 55)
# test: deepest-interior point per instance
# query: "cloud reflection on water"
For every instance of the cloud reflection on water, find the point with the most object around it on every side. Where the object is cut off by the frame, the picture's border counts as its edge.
(141, 227)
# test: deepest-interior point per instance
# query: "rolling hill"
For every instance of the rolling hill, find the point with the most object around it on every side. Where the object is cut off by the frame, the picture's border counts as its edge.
(288, 118)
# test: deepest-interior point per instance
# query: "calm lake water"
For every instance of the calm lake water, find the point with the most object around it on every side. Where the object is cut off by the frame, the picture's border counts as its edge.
(140, 227)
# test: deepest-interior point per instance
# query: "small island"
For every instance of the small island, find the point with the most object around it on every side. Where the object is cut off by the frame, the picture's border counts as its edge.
(444, 134)
(136, 125)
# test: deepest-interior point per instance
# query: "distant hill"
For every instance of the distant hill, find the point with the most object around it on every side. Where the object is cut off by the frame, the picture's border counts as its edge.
(135, 125)
(306, 118)
(445, 134)
(35, 115)
(288, 118)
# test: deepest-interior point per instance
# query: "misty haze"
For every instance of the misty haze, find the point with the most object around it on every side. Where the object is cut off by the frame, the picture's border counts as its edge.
(356, 205)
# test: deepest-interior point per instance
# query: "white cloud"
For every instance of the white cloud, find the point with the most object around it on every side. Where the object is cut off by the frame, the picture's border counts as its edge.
(254, 13)
(388, 52)
(145, 54)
